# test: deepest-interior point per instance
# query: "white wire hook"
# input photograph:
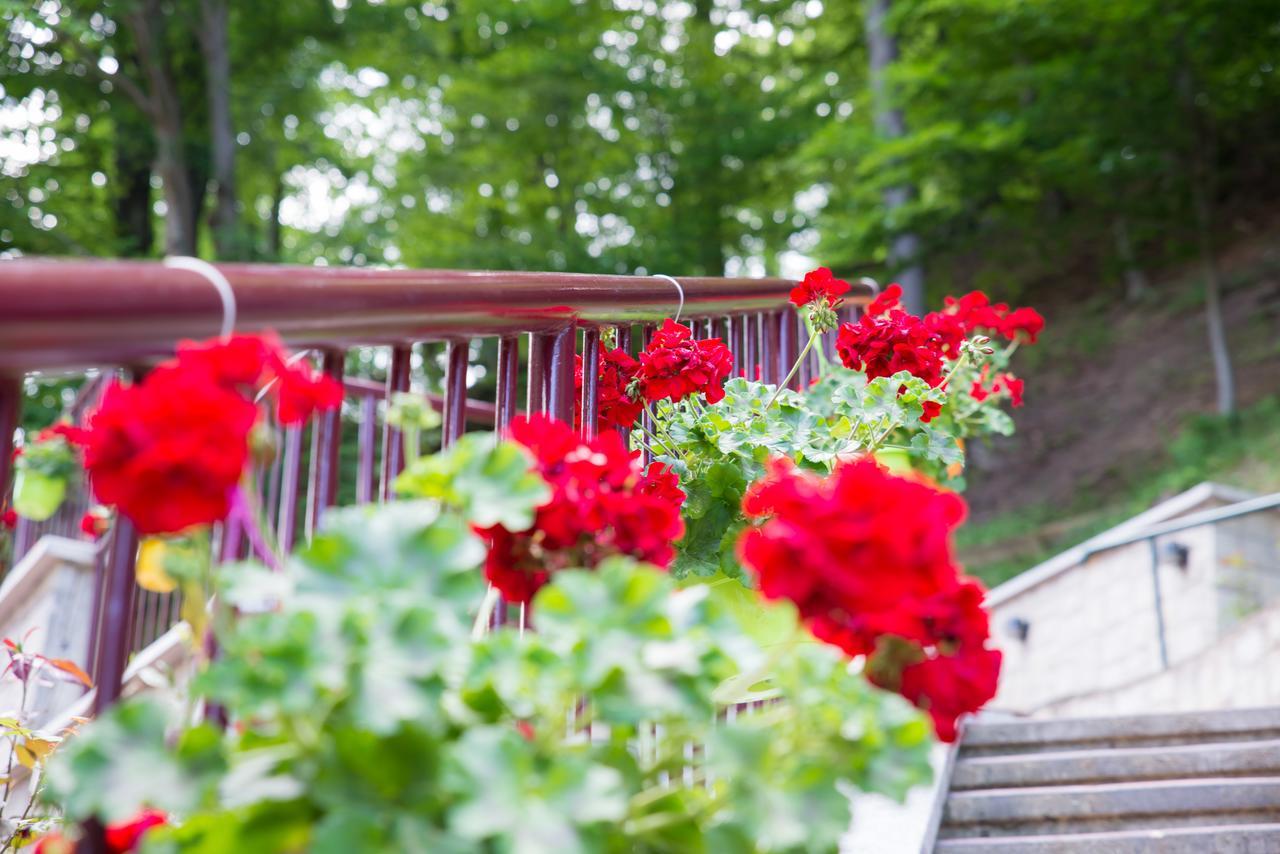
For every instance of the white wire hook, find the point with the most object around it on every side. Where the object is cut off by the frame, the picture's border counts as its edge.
(679, 290)
(214, 277)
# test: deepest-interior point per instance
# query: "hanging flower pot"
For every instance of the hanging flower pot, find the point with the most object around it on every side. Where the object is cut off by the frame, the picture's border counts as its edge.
(37, 496)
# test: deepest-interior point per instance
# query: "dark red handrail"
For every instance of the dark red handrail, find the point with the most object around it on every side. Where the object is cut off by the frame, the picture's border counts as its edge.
(60, 314)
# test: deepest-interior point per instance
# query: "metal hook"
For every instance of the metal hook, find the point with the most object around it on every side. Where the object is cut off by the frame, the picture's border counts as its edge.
(679, 290)
(214, 277)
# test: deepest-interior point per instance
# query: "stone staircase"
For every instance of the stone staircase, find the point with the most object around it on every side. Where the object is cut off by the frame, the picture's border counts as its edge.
(1189, 783)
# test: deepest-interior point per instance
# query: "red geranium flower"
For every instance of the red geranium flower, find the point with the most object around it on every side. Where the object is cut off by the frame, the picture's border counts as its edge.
(93, 524)
(674, 365)
(601, 504)
(251, 363)
(121, 838)
(882, 345)
(168, 450)
(615, 371)
(125, 836)
(817, 285)
(886, 301)
(9, 518)
(866, 558)
(1005, 382)
(1023, 324)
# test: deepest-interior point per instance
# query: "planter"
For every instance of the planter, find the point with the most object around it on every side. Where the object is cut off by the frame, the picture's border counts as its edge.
(37, 496)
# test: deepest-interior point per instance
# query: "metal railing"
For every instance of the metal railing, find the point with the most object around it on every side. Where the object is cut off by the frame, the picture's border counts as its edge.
(1152, 534)
(72, 316)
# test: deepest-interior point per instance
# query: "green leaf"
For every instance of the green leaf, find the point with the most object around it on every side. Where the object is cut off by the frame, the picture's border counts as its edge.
(489, 482)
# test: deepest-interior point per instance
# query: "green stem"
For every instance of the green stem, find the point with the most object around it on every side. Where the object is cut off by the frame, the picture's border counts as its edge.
(824, 364)
(792, 372)
(657, 425)
(412, 439)
(481, 625)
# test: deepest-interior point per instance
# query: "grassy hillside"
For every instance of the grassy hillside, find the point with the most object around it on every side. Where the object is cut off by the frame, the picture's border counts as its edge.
(1116, 415)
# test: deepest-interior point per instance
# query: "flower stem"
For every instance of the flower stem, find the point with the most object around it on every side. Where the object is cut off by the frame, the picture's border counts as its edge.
(653, 418)
(487, 605)
(799, 360)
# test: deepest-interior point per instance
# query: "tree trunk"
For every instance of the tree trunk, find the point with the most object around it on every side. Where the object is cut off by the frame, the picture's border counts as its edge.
(1199, 159)
(1223, 373)
(275, 242)
(1135, 278)
(214, 38)
(904, 250)
(166, 118)
(132, 203)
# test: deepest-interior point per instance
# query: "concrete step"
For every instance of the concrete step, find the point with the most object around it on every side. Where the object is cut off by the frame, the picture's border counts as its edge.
(1052, 736)
(1118, 765)
(1222, 839)
(1094, 808)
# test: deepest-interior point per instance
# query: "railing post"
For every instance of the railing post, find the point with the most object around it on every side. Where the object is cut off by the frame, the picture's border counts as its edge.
(561, 396)
(508, 380)
(291, 479)
(10, 414)
(539, 384)
(455, 392)
(326, 435)
(392, 449)
(1154, 553)
(771, 349)
(119, 595)
(590, 381)
(366, 474)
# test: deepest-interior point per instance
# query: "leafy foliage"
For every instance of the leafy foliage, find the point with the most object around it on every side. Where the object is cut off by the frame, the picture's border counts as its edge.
(369, 717)
(718, 450)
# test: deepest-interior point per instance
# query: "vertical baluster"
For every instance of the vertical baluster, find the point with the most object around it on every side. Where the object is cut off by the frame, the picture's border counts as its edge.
(455, 392)
(326, 435)
(119, 594)
(366, 471)
(590, 381)
(10, 413)
(753, 345)
(539, 384)
(646, 335)
(768, 347)
(287, 524)
(736, 345)
(560, 391)
(720, 329)
(392, 447)
(508, 381)
(786, 345)
(624, 337)
(787, 349)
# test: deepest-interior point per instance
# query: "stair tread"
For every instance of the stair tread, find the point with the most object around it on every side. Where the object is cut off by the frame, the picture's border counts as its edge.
(982, 735)
(1098, 801)
(1263, 838)
(1239, 758)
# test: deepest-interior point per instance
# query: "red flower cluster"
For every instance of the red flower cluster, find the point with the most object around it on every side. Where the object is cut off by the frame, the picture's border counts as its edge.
(819, 284)
(168, 451)
(675, 365)
(121, 838)
(866, 558)
(965, 315)
(9, 518)
(616, 370)
(259, 363)
(984, 386)
(881, 345)
(601, 504)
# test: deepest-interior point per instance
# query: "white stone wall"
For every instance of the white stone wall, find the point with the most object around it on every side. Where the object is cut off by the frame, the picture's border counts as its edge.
(1242, 670)
(1093, 629)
